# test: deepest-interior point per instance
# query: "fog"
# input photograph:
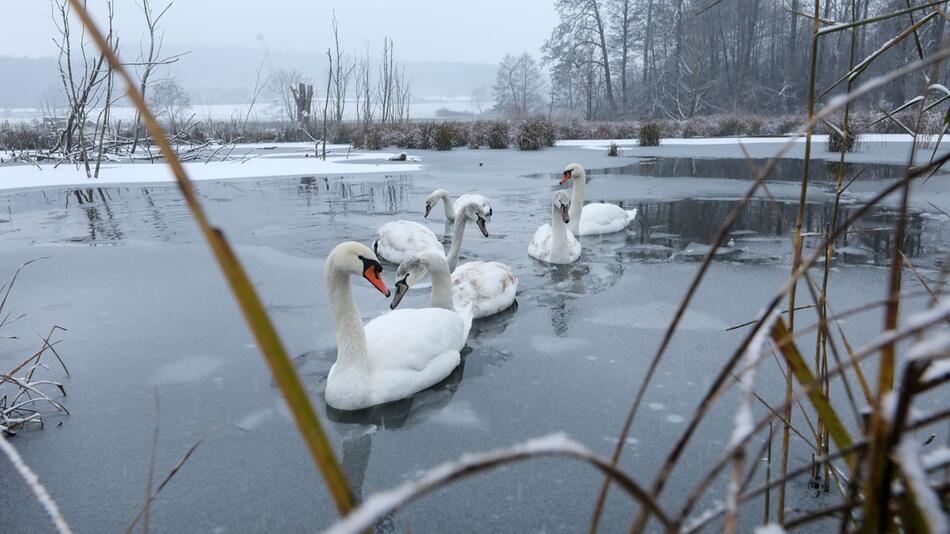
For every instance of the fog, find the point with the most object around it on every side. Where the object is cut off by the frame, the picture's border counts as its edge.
(423, 30)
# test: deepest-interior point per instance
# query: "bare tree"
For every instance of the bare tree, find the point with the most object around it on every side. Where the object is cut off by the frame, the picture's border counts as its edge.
(582, 25)
(363, 86)
(518, 86)
(341, 74)
(283, 86)
(150, 58)
(170, 102)
(480, 99)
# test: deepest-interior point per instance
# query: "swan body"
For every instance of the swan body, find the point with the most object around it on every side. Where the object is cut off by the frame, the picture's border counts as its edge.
(396, 355)
(597, 217)
(554, 242)
(451, 209)
(488, 287)
(397, 240)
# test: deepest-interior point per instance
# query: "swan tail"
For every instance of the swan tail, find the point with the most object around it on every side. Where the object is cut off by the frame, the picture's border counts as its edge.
(631, 215)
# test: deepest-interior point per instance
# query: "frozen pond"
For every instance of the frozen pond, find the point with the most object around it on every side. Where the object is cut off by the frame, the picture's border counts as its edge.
(147, 311)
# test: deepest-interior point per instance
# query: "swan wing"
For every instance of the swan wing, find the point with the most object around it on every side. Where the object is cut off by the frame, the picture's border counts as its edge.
(603, 218)
(397, 240)
(487, 286)
(540, 245)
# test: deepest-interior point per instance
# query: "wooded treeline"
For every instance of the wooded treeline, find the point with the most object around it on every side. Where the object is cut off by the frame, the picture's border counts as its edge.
(677, 59)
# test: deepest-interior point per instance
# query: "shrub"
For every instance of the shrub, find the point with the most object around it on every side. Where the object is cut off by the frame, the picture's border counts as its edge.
(442, 137)
(534, 134)
(498, 134)
(649, 134)
(841, 143)
(613, 150)
(373, 139)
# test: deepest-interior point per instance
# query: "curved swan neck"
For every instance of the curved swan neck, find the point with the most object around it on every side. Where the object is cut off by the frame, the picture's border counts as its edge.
(458, 231)
(441, 282)
(577, 200)
(447, 205)
(558, 233)
(350, 336)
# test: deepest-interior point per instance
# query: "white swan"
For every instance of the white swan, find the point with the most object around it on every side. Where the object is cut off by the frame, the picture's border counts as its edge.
(485, 287)
(554, 243)
(452, 208)
(415, 268)
(597, 217)
(397, 354)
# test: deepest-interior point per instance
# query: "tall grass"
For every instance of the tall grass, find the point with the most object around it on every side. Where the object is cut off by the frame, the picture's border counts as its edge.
(881, 480)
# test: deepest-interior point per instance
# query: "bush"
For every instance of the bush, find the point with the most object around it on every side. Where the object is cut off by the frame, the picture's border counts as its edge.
(498, 134)
(534, 134)
(442, 137)
(613, 150)
(838, 143)
(649, 134)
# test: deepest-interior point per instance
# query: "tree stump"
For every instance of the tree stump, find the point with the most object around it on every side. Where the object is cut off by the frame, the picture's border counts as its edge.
(303, 98)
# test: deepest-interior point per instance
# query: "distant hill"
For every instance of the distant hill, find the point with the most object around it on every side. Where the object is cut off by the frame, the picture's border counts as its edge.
(227, 75)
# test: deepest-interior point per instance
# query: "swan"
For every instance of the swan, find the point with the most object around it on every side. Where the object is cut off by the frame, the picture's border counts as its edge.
(485, 287)
(452, 209)
(396, 355)
(554, 243)
(597, 217)
(397, 240)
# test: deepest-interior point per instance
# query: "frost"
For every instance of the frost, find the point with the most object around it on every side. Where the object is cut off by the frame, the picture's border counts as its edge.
(919, 486)
(47, 502)
(743, 424)
(700, 520)
(934, 346)
(381, 504)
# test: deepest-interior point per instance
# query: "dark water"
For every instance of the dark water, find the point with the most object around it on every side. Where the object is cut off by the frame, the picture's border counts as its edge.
(148, 314)
(788, 169)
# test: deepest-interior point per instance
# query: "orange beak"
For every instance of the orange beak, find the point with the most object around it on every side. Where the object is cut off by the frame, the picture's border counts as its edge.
(372, 275)
(566, 177)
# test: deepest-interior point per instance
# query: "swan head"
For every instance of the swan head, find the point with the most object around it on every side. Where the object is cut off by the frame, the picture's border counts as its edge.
(434, 198)
(356, 258)
(410, 271)
(574, 170)
(562, 205)
(475, 212)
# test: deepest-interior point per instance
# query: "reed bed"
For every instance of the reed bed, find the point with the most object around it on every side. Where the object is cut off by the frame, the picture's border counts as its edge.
(879, 476)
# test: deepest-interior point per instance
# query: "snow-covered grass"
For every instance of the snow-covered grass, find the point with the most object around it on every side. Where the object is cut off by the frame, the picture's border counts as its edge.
(117, 173)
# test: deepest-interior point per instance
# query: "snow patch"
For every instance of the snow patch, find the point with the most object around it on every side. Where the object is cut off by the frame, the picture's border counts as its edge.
(28, 176)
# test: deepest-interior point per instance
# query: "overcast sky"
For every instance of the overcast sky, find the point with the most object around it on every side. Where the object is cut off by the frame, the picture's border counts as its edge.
(423, 30)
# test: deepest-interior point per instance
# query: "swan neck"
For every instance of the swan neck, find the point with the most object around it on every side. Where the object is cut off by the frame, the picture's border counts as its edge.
(558, 233)
(577, 200)
(458, 230)
(350, 336)
(447, 204)
(441, 283)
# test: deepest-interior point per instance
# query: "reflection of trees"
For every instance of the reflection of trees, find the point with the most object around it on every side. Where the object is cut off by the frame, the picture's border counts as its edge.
(99, 227)
(389, 195)
(785, 169)
(678, 223)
